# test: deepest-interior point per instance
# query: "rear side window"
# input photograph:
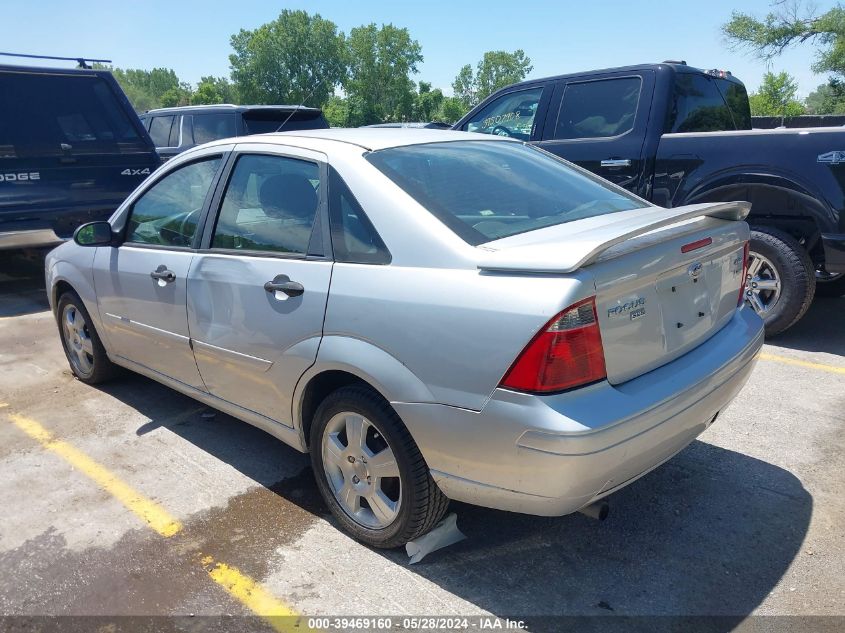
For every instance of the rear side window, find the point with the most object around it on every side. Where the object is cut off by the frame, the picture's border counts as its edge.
(262, 121)
(54, 114)
(354, 238)
(698, 106)
(486, 190)
(210, 127)
(596, 109)
(167, 213)
(270, 205)
(737, 99)
(511, 114)
(160, 130)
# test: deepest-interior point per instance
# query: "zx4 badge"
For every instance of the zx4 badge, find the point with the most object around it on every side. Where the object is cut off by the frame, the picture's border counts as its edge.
(136, 172)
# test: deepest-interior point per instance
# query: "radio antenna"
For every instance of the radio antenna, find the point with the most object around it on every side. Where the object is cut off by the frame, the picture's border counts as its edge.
(301, 105)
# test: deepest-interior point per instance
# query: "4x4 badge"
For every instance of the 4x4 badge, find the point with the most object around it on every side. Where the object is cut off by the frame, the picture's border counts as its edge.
(832, 158)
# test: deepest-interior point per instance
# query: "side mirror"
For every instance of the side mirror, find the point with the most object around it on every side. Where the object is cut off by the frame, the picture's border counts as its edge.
(94, 234)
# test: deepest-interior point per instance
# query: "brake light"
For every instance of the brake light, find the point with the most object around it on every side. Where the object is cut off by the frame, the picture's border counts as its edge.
(744, 273)
(566, 353)
(694, 246)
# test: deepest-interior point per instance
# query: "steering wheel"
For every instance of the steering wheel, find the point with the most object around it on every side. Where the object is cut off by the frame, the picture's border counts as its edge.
(501, 130)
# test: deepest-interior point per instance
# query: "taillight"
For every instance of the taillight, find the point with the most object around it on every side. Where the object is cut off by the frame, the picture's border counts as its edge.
(744, 273)
(566, 353)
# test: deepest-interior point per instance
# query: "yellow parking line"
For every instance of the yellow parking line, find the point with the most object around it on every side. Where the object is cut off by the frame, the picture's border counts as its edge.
(247, 591)
(802, 363)
(251, 594)
(147, 510)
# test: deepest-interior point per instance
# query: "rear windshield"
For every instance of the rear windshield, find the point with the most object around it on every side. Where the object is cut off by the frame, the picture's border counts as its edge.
(54, 114)
(260, 122)
(487, 190)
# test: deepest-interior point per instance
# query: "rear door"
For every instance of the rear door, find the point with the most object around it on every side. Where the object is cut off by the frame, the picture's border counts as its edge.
(258, 288)
(73, 145)
(600, 124)
(142, 285)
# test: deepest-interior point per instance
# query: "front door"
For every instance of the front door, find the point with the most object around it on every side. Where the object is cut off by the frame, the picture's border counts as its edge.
(600, 125)
(142, 285)
(257, 291)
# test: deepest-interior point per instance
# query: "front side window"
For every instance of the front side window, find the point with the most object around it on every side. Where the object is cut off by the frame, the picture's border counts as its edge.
(698, 106)
(210, 127)
(269, 206)
(160, 130)
(167, 213)
(597, 109)
(509, 115)
(486, 190)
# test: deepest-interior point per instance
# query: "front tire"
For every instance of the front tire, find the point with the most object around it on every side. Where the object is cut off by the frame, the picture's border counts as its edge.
(781, 279)
(84, 350)
(370, 472)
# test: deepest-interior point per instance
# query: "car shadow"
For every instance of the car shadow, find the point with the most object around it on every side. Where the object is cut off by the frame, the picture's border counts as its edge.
(709, 533)
(22, 283)
(822, 329)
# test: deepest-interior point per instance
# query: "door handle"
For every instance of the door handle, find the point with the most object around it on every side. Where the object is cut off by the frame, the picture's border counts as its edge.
(162, 274)
(282, 283)
(616, 162)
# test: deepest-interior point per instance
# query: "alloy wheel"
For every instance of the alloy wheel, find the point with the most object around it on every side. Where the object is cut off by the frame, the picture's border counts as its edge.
(361, 470)
(78, 340)
(762, 284)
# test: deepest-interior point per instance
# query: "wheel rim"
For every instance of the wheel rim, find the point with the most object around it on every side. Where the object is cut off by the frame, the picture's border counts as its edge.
(762, 284)
(78, 340)
(361, 470)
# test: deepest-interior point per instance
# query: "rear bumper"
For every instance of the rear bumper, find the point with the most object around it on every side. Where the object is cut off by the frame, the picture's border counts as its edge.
(31, 238)
(834, 252)
(551, 455)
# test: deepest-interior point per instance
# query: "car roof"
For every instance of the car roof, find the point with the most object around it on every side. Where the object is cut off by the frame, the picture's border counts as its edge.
(229, 107)
(373, 138)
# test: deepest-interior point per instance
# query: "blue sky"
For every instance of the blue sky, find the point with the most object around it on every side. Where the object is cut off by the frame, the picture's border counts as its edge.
(193, 37)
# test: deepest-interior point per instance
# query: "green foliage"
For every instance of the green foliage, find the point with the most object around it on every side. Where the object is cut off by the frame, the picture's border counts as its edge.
(451, 109)
(776, 96)
(828, 98)
(427, 102)
(297, 58)
(792, 23)
(211, 90)
(497, 69)
(336, 111)
(381, 60)
(148, 89)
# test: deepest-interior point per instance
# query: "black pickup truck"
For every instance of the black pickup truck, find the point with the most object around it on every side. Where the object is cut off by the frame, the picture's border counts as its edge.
(71, 149)
(678, 135)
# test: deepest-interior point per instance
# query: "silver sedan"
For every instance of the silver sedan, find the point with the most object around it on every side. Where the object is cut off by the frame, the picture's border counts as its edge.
(432, 315)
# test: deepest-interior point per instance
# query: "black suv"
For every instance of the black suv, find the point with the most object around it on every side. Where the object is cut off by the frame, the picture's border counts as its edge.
(174, 130)
(71, 149)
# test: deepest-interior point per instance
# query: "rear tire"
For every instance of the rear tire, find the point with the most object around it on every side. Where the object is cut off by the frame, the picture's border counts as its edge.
(783, 260)
(84, 351)
(826, 287)
(348, 477)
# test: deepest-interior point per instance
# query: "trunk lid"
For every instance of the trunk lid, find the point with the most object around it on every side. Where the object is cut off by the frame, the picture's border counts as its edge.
(664, 283)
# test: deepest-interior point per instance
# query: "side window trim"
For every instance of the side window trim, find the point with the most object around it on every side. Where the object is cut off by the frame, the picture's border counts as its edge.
(215, 204)
(224, 157)
(637, 111)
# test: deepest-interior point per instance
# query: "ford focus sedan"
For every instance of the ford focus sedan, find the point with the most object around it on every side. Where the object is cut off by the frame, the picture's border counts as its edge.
(431, 315)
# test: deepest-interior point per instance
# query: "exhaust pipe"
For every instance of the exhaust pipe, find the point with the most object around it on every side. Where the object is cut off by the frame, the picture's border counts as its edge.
(597, 510)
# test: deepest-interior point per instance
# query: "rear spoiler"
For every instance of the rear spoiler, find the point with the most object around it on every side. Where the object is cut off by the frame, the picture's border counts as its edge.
(575, 249)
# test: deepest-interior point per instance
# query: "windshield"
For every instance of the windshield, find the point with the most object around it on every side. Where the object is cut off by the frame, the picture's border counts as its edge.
(487, 190)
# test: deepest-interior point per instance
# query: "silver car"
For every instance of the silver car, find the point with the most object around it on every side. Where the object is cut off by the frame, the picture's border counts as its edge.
(433, 315)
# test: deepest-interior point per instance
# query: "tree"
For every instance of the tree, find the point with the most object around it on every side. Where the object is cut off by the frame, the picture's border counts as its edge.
(776, 96)
(451, 109)
(792, 23)
(297, 58)
(381, 61)
(427, 102)
(212, 90)
(336, 111)
(496, 69)
(148, 89)
(828, 98)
